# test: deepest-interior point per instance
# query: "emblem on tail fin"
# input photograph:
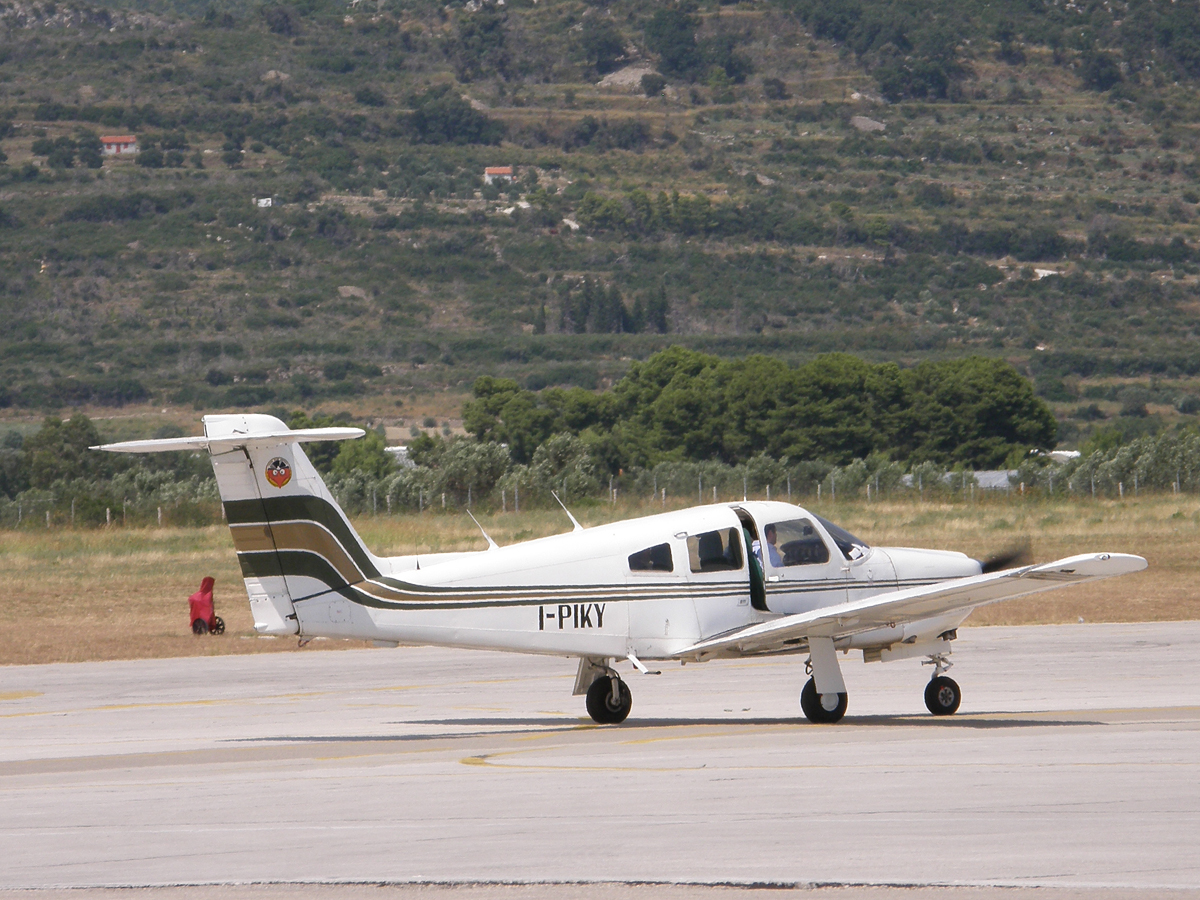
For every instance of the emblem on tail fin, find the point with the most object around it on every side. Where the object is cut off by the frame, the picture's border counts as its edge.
(279, 472)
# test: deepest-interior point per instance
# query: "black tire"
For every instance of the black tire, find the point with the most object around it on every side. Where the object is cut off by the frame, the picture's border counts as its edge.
(600, 704)
(810, 703)
(218, 625)
(199, 626)
(942, 696)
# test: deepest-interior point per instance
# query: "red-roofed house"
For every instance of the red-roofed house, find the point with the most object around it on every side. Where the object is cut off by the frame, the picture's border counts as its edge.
(492, 174)
(118, 144)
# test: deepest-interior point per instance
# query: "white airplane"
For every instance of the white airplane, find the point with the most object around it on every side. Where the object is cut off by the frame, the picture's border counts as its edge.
(727, 580)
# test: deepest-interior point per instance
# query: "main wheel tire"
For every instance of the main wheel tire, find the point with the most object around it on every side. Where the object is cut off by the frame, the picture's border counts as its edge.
(600, 705)
(218, 625)
(810, 703)
(942, 696)
(199, 626)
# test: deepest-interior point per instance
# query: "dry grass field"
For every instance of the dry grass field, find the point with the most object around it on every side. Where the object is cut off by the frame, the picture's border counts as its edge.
(122, 593)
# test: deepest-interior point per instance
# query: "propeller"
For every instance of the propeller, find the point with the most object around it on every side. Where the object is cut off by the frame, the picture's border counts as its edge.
(1009, 558)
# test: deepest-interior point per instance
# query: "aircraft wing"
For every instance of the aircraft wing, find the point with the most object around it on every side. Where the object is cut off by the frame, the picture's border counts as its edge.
(895, 607)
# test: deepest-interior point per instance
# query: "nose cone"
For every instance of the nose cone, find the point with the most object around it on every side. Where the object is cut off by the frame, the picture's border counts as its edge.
(915, 566)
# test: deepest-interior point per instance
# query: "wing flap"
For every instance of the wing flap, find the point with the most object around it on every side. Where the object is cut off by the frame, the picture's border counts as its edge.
(884, 610)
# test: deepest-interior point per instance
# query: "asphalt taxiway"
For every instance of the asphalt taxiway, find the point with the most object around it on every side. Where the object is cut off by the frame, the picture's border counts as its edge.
(1073, 768)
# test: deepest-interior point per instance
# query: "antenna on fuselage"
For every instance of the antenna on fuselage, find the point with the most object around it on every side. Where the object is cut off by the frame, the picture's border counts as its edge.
(492, 545)
(574, 521)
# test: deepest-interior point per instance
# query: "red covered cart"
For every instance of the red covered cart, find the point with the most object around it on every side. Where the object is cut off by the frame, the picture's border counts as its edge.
(203, 616)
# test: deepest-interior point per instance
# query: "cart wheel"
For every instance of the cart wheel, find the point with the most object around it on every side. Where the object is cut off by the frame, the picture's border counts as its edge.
(199, 627)
(218, 626)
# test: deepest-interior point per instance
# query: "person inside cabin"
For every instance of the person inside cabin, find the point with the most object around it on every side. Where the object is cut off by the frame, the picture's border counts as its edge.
(773, 556)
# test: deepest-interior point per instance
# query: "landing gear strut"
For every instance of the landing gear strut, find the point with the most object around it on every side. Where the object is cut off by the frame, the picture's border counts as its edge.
(942, 694)
(823, 700)
(609, 699)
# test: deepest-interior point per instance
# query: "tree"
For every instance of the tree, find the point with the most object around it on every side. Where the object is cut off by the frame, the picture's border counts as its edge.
(602, 45)
(1100, 71)
(365, 455)
(440, 116)
(478, 47)
(974, 410)
(671, 33)
(59, 451)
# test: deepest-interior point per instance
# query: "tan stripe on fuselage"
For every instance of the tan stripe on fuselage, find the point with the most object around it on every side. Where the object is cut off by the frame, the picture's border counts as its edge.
(312, 538)
(252, 538)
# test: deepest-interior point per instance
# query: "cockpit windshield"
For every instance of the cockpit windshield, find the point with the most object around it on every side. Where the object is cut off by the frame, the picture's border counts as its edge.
(852, 547)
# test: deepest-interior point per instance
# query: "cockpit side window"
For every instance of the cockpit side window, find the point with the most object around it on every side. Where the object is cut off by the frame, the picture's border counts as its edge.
(652, 559)
(852, 547)
(715, 551)
(795, 543)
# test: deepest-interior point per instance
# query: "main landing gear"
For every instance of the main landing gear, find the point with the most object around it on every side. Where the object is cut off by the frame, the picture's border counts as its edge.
(942, 694)
(609, 700)
(823, 700)
(822, 709)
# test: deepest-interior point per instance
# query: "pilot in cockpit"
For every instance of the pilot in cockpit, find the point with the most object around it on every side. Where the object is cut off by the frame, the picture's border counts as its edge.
(773, 556)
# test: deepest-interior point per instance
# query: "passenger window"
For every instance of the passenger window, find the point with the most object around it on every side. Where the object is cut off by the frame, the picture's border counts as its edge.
(652, 559)
(796, 544)
(715, 551)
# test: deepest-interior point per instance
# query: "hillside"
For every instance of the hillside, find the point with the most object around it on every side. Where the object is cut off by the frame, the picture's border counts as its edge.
(895, 180)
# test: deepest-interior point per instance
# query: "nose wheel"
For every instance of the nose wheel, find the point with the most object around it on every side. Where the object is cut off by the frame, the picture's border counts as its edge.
(942, 696)
(609, 700)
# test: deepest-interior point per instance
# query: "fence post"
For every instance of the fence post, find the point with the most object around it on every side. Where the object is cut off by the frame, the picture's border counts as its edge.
(19, 512)
(768, 492)
(832, 489)
(443, 499)
(744, 490)
(468, 496)
(1135, 484)
(72, 512)
(818, 490)
(503, 500)
(714, 493)
(516, 499)
(47, 518)
(420, 500)
(664, 498)
(1093, 485)
(107, 516)
(868, 492)
(160, 517)
(1121, 489)
(700, 488)
(124, 508)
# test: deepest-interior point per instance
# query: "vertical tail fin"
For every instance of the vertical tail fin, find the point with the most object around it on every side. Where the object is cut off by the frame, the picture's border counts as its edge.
(292, 539)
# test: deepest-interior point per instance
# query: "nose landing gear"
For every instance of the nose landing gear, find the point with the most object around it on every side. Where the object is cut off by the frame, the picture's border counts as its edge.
(942, 694)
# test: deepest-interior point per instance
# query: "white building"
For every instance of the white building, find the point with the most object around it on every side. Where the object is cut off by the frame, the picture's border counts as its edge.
(118, 144)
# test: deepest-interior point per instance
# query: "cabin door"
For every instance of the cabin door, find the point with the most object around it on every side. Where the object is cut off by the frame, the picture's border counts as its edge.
(801, 571)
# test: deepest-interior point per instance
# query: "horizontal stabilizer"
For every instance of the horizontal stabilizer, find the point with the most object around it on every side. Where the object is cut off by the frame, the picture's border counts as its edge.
(913, 604)
(224, 442)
